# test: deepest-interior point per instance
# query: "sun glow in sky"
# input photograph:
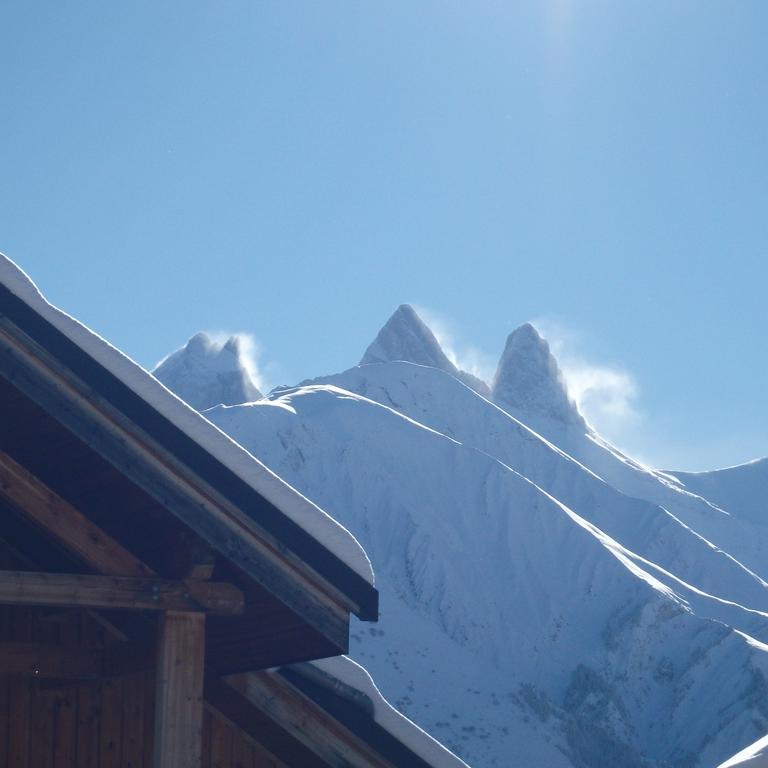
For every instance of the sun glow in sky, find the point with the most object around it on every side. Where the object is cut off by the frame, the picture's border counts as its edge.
(297, 170)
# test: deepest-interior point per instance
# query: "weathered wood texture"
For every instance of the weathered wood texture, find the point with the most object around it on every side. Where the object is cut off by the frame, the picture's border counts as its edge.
(46, 661)
(307, 723)
(110, 721)
(25, 492)
(235, 707)
(92, 724)
(120, 592)
(179, 697)
(267, 635)
(102, 725)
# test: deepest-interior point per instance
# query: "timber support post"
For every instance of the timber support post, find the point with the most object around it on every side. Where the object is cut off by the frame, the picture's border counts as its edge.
(179, 690)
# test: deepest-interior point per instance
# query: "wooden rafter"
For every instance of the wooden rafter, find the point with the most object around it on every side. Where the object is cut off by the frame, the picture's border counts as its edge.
(75, 531)
(306, 721)
(233, 705)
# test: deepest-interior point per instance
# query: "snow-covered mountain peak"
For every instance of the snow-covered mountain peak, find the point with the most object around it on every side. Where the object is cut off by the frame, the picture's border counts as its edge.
(405, 336)
(199, 344)
(527, 333)
(206, 372)
(528, 379)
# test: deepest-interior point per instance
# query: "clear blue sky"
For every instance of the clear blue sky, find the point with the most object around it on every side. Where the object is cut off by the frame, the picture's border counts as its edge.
(296, 170)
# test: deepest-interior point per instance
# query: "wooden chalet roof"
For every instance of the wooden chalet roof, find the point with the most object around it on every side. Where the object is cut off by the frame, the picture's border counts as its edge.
(103, 471)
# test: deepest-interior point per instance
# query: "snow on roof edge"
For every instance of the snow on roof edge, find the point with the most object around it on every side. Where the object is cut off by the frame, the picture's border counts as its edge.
(316, 522)
(390, 719)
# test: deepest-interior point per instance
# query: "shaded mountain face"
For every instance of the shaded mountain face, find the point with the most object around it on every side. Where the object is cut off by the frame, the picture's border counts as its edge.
(205, 373)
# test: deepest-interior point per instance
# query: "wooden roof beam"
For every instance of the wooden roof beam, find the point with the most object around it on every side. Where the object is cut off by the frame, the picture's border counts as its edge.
(307, 722)
(234, 706)
(30, 496)
(118, 592)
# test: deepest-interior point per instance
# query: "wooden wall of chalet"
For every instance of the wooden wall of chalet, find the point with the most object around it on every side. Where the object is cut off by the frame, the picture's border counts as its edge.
(95, 724)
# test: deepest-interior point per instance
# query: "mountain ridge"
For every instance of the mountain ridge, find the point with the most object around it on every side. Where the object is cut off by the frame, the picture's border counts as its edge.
(495, 517)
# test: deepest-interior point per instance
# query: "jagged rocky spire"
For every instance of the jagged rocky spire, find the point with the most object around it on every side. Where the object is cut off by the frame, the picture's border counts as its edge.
(405, 336)
(529, 381)
(205, 373)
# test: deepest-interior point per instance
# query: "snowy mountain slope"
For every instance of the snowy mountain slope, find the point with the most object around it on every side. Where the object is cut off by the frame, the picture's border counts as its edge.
(557, 622)
(742, 490)
(546, 600)
(205, 373)
(438, 400)
(529, 386)
(733, 529)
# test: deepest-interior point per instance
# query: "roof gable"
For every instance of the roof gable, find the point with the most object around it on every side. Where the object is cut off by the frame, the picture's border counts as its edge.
(193, 442)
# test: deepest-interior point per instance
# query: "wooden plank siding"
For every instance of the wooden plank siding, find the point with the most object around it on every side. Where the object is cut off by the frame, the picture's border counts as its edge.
(103, 725)
(96, 716)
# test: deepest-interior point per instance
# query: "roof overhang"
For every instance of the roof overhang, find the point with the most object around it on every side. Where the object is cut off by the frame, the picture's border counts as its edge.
(90, 415)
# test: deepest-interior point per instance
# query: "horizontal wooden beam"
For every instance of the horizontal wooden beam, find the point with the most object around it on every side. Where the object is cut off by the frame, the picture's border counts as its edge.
(30, 496)
(118, 592)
